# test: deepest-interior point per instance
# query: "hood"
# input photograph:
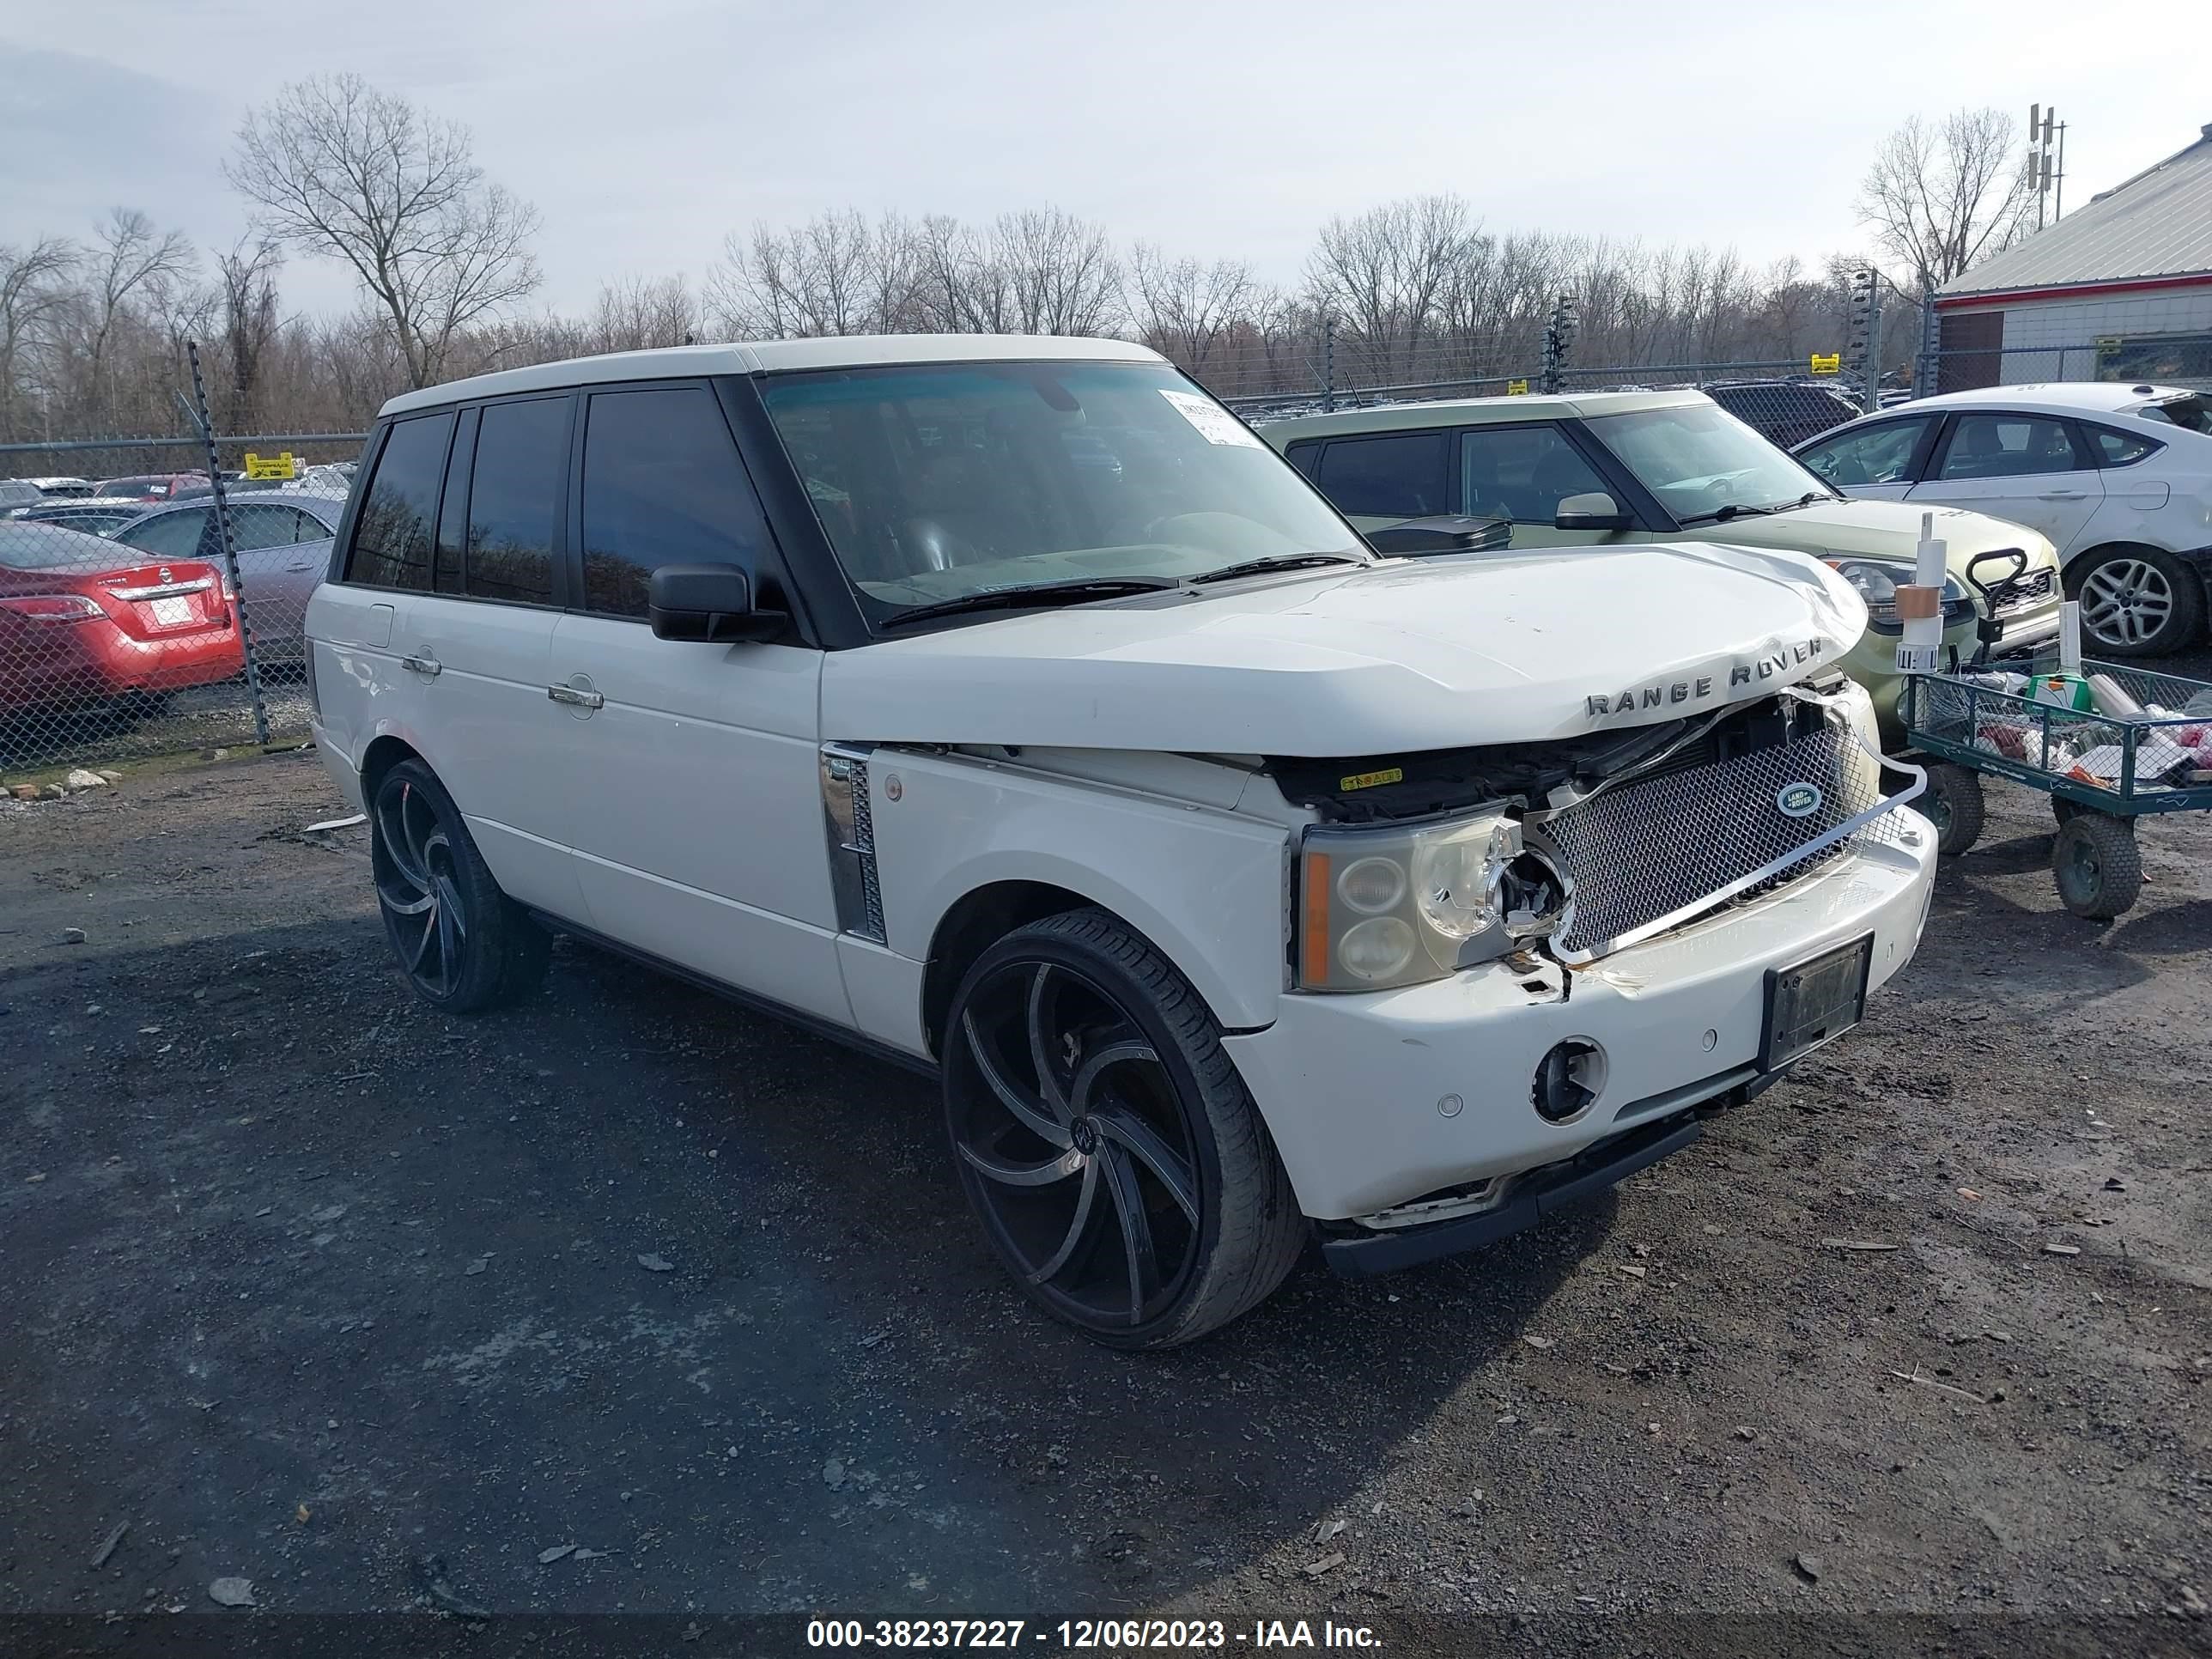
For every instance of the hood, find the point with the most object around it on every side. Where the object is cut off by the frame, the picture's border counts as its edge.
(1885, 530)
(1397, 657)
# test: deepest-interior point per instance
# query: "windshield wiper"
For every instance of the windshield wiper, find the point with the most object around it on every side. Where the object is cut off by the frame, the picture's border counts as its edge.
(1037, 595)
(1736, 510)
(1277, 561)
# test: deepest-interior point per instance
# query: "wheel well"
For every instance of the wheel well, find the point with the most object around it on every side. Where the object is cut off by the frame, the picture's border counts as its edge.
(969, 928)
(380, 757)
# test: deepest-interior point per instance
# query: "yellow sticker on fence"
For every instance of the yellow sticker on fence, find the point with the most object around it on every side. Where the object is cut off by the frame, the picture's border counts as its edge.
(1829, 363)
(1369, 779)
(1516, 388)
(268, 466)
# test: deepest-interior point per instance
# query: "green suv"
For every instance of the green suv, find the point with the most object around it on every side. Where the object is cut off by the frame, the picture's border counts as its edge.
(1605, 467)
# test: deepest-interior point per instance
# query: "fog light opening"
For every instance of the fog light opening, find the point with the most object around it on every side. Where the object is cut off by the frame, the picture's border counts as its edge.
(1569, 1080)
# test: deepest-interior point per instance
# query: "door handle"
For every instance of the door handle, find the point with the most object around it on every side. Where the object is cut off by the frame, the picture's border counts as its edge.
(429, 665)
(569, 694)
(2064, 496)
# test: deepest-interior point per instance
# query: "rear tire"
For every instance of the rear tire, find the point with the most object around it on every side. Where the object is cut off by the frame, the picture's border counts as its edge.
(1954, 804)
(1122, 1172)
(463, 944)
(2097, 866)
(2138, 601)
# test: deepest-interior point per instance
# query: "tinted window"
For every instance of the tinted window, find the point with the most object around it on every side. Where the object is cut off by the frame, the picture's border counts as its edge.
(391, 538)
(2006, 446)
(255, 524)
(1521, 472)
(1302, 456)
(167, 536)
(515, 501)
(662, 485)
(2119, 448)
(1877, 454)
(1402, 475)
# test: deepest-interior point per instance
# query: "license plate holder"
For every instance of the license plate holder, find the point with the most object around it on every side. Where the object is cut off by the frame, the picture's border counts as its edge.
(169, 613)
(1814, 1001)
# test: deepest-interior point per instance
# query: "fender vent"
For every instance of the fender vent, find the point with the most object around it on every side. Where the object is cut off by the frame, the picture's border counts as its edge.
(850, 825)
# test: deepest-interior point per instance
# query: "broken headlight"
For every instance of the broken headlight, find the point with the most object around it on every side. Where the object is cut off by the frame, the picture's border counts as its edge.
(1395, 904)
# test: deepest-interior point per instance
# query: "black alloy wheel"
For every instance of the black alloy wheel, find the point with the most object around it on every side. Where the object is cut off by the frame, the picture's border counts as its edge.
(1119, 1167)
(463, 945)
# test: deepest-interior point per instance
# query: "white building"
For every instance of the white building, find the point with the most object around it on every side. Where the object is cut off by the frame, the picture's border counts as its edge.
(2118, 290)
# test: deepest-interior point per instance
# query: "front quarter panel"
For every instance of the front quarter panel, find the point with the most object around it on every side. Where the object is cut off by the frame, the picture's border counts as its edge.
(1207, 888)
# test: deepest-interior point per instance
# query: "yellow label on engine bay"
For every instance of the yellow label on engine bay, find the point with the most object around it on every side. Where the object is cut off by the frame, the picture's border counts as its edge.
(1369, 779)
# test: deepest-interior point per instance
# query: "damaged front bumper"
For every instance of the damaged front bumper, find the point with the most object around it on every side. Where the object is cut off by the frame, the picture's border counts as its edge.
(1381, 1100)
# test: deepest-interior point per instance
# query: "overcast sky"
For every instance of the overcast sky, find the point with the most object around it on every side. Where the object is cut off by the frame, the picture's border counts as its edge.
(645, 130)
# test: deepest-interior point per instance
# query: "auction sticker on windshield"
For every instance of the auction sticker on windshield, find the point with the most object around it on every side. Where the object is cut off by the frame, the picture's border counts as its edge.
(1215, 424)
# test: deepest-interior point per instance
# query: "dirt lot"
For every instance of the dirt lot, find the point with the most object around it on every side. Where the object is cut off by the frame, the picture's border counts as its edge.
(314, 1289)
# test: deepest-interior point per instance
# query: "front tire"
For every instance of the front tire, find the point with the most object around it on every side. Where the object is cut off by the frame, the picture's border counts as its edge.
(463, 944)
(1103, 1138)
(2139, 602)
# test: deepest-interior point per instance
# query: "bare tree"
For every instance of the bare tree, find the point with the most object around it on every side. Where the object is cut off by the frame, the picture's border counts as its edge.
(1384, 272)
(1941, 197)
(1183, 308)
(638, 314)
(246, 279)
(1059, 270)
(341, 169)
(128, 256)
(34, 290)
(836, 274)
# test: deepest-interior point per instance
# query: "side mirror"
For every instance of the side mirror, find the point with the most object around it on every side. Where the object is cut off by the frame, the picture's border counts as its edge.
(712, 602)
(1592, 510)
(1447, 533)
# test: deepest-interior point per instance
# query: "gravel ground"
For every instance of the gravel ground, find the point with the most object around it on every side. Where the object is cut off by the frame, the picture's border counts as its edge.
(374, 1308)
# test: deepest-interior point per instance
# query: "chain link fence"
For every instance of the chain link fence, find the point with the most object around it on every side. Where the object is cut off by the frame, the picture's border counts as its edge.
(153, 601)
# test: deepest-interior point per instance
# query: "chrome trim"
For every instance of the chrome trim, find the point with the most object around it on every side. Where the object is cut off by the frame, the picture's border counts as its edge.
(568, 694)
(164, 590)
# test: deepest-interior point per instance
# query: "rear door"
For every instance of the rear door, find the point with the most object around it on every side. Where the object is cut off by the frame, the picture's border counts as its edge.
(477, 648)
(282, 553)
(699, 829)
(2033, 469)
(1383, 478)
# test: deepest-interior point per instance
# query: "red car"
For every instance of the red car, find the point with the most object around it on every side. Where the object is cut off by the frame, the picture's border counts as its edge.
(149, 487)
(81, 621)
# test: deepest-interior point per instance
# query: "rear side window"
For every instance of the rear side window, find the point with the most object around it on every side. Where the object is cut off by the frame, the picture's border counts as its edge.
(391, 538)
(515, 497)
(662, 485)
(2006, 446)
(2119, 448)
(171, 536)
(1402, 476)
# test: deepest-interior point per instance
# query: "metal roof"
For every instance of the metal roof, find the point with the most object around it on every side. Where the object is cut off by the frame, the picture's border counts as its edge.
(1471, 411)
(2159, 223)
(775, 356)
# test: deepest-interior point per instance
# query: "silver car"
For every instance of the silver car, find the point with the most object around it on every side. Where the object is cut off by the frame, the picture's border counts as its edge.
(282, 541)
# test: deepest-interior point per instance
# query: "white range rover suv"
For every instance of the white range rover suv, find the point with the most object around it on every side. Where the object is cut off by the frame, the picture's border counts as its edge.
(1006, 706)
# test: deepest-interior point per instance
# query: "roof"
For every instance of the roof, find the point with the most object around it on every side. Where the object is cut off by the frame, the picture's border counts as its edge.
(1465, 411)
(2079, 396)
(774, 357)
(2158, 223)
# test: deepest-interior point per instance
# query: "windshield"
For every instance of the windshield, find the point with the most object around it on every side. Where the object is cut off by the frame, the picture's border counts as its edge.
(939, 480)
(2192, 414)
(1701, 461)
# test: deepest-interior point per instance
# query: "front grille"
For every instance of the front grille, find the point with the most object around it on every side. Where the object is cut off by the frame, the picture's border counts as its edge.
(1649, 852)
(2033, 588)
